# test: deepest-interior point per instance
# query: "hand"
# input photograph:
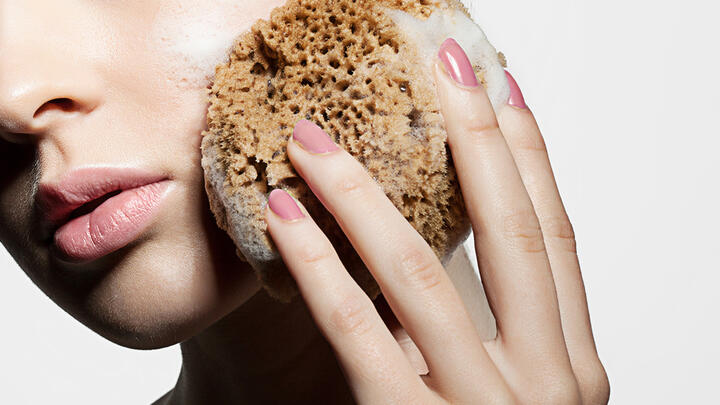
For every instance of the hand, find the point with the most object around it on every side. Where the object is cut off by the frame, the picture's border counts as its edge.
(544, 350)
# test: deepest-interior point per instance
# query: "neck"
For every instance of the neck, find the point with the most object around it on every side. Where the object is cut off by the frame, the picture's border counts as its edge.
(263, 352)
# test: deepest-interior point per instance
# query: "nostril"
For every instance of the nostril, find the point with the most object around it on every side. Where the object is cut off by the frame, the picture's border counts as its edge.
(60, 104)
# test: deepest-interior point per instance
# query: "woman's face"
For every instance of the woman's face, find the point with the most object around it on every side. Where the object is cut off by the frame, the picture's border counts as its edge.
(91, 86)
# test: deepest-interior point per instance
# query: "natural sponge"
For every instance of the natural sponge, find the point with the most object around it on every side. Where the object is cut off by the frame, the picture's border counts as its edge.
(361, 70)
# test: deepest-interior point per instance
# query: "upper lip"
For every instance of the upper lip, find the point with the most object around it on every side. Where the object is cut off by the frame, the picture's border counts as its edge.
(58, 201)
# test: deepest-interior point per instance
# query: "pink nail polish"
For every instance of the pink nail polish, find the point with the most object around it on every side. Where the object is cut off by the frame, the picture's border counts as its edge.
(516, 98)
(283, 205)
(313, 138)
(457, 63)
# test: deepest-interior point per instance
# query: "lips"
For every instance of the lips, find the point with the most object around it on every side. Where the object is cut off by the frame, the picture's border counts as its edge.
(93, 212)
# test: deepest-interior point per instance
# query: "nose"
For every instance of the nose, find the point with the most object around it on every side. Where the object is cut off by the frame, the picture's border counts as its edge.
(45, 78)
(35, 102)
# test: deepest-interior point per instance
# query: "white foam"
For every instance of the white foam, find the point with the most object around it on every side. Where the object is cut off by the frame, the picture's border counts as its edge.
(429, 34)
(197, 35)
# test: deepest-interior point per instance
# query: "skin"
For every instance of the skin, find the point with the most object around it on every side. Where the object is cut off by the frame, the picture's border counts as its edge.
(127, 80)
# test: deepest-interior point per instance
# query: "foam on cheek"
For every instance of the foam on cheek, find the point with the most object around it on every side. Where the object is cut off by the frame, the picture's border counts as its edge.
(197, 35)
(451, 23)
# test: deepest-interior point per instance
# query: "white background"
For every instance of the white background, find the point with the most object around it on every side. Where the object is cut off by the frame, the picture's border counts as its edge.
(625, 92)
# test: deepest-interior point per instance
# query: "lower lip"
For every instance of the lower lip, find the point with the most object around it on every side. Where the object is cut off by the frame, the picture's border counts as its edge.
(112, 225)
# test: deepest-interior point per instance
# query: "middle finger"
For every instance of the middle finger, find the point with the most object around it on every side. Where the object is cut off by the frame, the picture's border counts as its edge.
(409, 274)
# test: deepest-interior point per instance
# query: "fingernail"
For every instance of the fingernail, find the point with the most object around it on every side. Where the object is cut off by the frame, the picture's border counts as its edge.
(283, 205)
(312, 138)
(457, 63)
(516, 98)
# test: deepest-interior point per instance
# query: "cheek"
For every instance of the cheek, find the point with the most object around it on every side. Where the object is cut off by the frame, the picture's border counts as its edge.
(194, 36)
(177, 58)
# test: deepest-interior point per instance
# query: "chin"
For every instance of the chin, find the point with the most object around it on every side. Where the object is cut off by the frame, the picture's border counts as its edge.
(165, 290)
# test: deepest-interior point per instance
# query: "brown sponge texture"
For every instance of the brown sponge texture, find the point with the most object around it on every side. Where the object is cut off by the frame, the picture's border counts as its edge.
(346, 66)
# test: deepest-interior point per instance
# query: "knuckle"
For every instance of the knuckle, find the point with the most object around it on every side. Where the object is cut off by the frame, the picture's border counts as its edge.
(351, 182)
(352, 316)
(531, 141)
(559, 231)
(561, 392)
(420, 268)
(315, 254)
(594, 385)
(425, 397)
(479, 128)
(522, 230)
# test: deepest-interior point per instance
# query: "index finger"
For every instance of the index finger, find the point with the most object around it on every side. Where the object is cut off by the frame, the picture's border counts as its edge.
(340, 308)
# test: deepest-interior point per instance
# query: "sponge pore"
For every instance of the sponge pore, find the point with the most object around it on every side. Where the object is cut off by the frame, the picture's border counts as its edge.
(348, 67)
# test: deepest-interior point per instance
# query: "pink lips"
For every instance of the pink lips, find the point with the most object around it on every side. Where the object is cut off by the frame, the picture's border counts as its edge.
(91, 225)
